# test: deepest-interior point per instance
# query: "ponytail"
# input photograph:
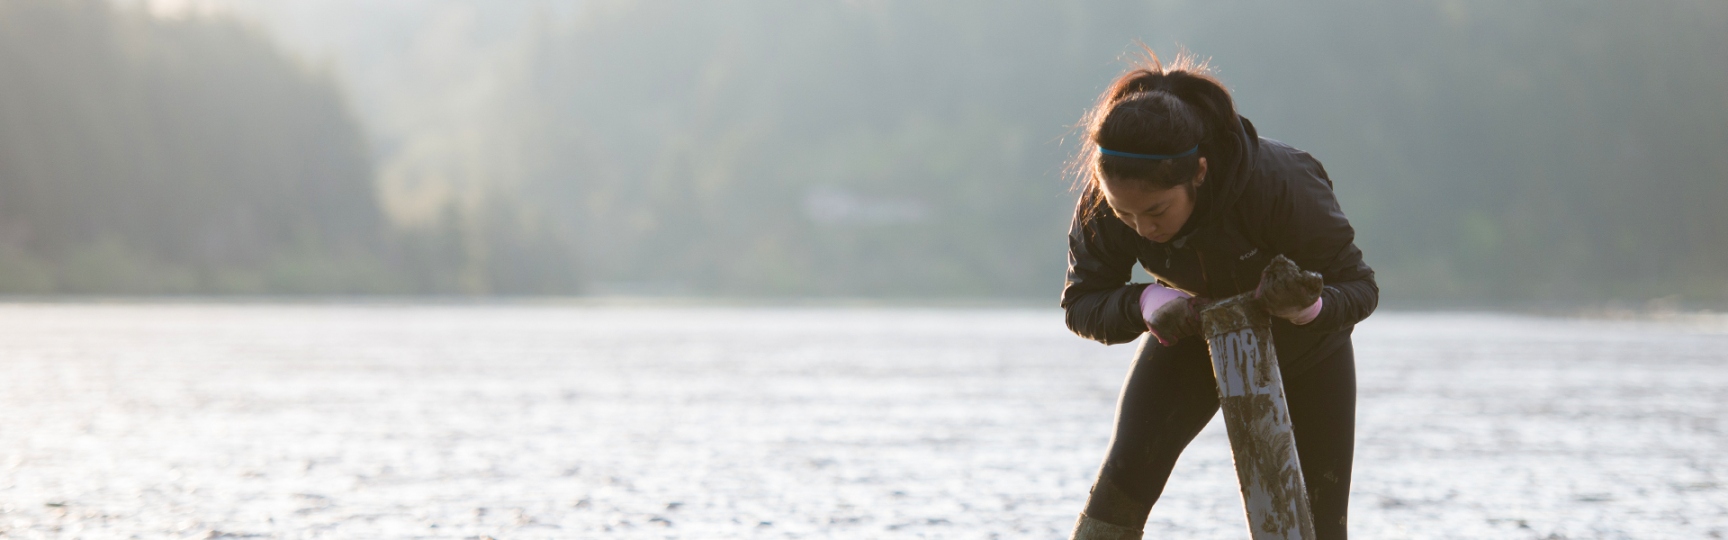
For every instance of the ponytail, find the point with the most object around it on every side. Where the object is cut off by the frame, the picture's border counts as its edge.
(1152, 119)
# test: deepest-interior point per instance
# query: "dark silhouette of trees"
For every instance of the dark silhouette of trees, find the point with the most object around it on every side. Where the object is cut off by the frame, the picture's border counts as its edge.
(1550, 151)
(140, 155)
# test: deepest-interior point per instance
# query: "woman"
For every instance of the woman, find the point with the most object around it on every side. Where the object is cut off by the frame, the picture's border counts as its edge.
(1178, 183)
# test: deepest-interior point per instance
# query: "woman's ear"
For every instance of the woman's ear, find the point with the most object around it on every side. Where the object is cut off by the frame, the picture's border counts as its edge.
(1200, 176)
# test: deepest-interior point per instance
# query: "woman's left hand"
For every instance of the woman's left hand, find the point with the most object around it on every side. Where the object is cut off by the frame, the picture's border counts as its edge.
(1289, 292)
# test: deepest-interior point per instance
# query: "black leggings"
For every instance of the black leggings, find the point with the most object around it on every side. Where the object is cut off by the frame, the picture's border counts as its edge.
(1170, 395)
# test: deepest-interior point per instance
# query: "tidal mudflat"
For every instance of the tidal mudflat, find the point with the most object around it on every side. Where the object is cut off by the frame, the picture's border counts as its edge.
(547, 421)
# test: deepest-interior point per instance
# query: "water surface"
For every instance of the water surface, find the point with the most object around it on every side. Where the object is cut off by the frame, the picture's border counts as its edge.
(521, 421)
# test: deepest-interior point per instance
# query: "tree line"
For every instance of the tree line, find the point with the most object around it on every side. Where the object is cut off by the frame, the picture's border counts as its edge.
(1488, 153)
(144, 155)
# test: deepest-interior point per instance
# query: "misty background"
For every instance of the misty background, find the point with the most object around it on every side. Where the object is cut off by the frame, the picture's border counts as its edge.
(1488, 154)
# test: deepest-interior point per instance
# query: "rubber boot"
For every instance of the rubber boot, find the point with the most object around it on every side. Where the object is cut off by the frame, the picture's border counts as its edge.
(1091, 529)
(1110, 502)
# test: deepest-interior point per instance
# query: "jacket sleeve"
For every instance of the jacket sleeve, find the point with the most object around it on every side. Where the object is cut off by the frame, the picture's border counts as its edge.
(1099, 302)
(1307, 225)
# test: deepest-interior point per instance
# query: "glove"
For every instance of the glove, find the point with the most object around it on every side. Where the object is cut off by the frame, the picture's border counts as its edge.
(1175, 320)
(1289, 292)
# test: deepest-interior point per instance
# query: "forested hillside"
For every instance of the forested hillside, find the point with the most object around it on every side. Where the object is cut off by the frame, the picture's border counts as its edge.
(145, 155)
(1487, 152)
(141, 156)
(1549, 152)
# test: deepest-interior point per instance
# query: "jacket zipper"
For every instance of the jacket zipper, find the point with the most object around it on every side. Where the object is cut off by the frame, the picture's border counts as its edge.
(1205, 280)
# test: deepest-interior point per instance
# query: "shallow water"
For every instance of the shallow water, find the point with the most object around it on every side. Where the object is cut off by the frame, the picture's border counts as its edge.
(513, 421)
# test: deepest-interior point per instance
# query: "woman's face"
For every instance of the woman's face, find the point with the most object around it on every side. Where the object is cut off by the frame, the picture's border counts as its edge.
(1155, 214)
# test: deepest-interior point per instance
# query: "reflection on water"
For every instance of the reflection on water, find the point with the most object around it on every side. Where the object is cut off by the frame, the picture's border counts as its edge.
(557, 422)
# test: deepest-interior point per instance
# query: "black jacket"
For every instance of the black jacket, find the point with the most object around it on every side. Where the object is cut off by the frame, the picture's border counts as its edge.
(1267, 199)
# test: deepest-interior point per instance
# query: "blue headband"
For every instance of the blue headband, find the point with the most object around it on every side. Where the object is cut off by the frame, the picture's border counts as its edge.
(1109, 152)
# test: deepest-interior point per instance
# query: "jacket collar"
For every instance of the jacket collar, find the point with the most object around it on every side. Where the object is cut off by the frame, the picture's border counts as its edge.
(1228, 161)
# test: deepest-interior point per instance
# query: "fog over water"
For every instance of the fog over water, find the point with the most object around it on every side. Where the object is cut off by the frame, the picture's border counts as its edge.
(1553, 152)
(550, 421)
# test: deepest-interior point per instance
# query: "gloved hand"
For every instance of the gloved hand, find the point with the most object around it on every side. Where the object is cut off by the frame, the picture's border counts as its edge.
(1175, 320)
(1288, 292)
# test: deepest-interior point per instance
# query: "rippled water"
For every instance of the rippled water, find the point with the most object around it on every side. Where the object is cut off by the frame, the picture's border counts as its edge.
(520, 421)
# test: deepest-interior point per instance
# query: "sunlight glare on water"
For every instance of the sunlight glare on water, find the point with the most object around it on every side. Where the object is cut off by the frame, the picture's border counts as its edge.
(543, 421)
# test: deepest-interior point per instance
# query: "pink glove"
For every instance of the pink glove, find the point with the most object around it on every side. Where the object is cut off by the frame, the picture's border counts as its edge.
(1154, 297)
(1308, 314)
(1288, 292)
(1169, 314)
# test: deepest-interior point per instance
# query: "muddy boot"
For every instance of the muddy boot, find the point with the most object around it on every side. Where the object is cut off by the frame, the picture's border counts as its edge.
(1092, 529)
(1109, 502)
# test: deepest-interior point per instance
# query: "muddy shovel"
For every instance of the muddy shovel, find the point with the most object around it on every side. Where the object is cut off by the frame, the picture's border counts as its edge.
(1251, 392)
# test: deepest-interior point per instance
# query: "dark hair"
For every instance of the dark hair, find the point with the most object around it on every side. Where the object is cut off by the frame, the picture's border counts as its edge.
(1155, 109)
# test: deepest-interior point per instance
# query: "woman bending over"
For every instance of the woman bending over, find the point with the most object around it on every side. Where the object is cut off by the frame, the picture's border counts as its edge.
(1177, 182)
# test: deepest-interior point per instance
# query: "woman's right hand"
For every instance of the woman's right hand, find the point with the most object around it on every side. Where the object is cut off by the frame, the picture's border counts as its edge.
(1175, 320)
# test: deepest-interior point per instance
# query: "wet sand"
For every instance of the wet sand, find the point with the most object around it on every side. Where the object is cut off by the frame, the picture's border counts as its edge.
(519, 421)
